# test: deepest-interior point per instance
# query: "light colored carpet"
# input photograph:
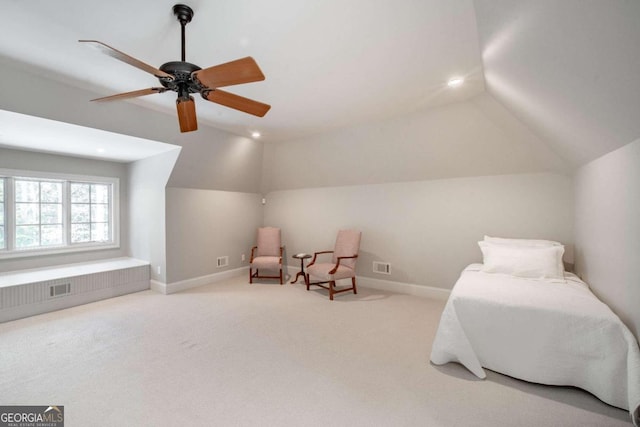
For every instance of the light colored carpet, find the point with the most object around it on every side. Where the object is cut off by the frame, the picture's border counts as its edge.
(234, 354)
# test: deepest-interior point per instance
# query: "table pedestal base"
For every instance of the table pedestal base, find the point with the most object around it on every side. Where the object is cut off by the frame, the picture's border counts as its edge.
(301, 257)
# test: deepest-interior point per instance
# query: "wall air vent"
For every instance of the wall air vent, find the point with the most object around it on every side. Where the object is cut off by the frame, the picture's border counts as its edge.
(223, 261)
(59, 290)
(381, 267)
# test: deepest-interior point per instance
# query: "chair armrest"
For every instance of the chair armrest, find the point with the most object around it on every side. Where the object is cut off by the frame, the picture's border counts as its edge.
(338, 263)
(252, 250)
(315, 254)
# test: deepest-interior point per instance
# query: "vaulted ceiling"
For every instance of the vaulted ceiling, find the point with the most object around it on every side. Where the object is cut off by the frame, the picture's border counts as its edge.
(568, 70)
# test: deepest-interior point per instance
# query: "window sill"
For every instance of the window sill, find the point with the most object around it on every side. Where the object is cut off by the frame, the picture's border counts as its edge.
(56, 272)
(27, 253)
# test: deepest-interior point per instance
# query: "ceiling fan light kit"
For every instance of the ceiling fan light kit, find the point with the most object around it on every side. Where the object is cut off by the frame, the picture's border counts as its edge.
(185, 78)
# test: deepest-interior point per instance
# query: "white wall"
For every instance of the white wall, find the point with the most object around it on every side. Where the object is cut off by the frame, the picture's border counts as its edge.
(147, 181)
(212, 205)
(607, 230)
(23, 160)
(205, 224)
(423, 189)
(427, 230)
(219, 161)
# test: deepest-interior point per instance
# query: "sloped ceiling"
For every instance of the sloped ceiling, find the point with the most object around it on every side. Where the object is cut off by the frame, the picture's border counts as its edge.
(38, 134)
(472, 138)
(570, 69)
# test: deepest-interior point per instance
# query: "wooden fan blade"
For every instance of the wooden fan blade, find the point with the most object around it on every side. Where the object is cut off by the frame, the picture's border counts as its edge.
(243, 70)
(237, 102)
(121, 56)
(132, 94)
(187, 114)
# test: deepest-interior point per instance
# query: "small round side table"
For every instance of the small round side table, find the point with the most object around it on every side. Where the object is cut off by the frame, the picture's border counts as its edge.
(301, 257)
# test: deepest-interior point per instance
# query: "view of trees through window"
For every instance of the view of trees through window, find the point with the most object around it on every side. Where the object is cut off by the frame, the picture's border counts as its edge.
(89, 212)
(38, 210)
(54, 213)
(2, 214)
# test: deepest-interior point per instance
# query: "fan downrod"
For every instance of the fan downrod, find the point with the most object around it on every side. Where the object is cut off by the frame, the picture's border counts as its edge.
(184, 14)
(182, 83)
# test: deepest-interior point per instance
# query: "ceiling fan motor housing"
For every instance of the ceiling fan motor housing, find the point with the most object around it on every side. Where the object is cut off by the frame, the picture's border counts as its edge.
(182, 81)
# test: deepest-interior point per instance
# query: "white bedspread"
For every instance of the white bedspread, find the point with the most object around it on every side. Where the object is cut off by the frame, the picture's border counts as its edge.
(544, 332)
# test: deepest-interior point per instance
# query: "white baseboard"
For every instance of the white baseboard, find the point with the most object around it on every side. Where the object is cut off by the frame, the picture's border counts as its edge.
(399, 287)
(157, 286)
(404, 288)
(170, 288)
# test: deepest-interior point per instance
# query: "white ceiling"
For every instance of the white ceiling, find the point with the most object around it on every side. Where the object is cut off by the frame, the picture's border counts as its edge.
(328, 64)
(51, 136)
(567, 69)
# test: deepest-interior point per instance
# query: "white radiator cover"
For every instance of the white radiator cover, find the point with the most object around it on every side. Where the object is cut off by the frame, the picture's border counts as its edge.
(25, 293)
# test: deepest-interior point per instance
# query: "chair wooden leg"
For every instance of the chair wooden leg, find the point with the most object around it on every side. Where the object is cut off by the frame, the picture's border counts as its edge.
(281, 276)
(331, 285)
(250, 275)
(353, 282)
(306, 280)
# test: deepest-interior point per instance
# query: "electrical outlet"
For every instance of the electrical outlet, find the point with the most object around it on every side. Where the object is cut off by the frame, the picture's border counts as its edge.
(243, 257)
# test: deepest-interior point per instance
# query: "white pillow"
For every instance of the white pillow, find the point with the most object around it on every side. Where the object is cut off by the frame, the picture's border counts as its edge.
(521, 242)
(527, 243)
(535, 262)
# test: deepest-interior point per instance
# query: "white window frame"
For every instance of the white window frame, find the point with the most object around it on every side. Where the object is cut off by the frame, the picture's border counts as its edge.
(9, 251)
(3, 212)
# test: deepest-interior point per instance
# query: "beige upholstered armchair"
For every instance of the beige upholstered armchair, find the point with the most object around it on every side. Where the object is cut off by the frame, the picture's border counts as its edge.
(342, 265)
(267, 255)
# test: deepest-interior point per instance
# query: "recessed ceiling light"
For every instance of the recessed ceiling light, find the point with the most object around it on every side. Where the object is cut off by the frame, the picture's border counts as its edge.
(255, 134)
(100, 150)
(455, 82)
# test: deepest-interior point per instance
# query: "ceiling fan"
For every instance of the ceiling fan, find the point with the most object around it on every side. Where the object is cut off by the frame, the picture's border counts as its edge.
(186, 78)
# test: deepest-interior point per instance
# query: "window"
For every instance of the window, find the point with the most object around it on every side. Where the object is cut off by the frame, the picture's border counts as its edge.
(49, 213)
(90, 212)
(38, 213)
(2, 215)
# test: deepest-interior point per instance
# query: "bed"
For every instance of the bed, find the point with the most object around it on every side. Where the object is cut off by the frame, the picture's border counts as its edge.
(551, 331)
